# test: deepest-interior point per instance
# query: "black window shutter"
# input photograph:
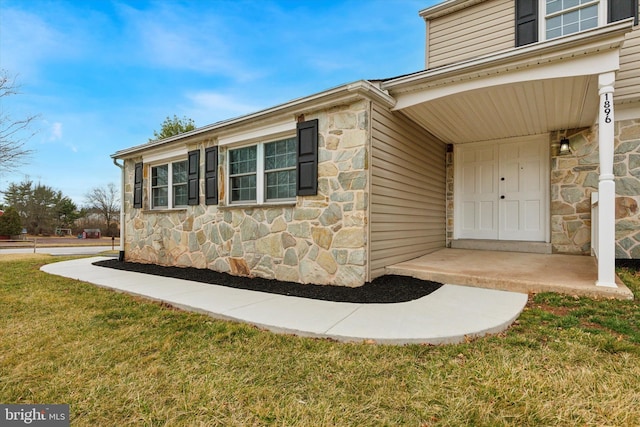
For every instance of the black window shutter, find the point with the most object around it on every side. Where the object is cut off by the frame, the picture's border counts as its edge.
(526, 22)
(211, 176)
(622, 9)
(193, 178)
(137, 186)
(307, 166)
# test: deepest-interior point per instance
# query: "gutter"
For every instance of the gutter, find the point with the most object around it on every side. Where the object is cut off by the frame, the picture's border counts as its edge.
(122, 225)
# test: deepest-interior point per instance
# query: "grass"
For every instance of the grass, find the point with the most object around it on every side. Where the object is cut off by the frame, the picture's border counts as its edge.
(120, 360)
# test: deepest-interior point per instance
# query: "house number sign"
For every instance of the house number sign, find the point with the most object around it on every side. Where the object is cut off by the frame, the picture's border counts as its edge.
(607, 108)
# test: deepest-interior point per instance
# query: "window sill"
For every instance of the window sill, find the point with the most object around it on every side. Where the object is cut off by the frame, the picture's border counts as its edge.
(256, 206)
(155, 211)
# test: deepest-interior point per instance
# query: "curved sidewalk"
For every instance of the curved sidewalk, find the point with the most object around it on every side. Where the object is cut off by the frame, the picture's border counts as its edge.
(448, 315)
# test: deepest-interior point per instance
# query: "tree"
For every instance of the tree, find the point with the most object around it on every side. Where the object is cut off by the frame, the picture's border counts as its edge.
(14, 133)
(18, 196)
(105, 201)
(10, 224)
(40, 207)
(67, 213)
(173, 126)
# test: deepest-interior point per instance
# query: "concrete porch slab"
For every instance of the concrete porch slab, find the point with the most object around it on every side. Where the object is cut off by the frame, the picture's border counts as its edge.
(512, 271)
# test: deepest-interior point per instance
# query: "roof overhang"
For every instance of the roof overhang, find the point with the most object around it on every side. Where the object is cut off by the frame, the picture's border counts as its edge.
(545, 86)
(446, 8)
(362, 89)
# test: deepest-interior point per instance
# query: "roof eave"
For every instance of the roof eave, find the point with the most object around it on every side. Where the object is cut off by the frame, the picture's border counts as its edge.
(446, 8)
(340, 94)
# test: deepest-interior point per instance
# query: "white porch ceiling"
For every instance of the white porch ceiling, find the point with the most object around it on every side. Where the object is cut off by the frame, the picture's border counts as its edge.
(517, 109)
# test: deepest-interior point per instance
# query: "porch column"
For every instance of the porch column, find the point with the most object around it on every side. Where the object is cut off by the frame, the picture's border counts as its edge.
(606, 185)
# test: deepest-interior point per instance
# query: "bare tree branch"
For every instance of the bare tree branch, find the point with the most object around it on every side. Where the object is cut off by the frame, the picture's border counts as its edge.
(14, 133)
(106, 201)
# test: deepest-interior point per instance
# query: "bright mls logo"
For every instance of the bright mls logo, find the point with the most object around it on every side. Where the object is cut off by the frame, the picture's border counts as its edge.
(34, 415)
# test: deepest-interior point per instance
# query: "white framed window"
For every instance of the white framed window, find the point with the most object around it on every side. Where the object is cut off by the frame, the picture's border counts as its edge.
(243, 168)
(280, 169)
(169, 185)
(562, 17)
(263, 172)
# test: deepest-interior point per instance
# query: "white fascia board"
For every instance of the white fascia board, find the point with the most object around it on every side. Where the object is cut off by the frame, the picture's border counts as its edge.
(599, 39)
(162, 145)
(164, 155)
(273, 130)
(575, 66)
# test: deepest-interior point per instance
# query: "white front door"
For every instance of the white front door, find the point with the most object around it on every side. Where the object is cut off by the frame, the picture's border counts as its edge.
(479, 187)
(502, 190)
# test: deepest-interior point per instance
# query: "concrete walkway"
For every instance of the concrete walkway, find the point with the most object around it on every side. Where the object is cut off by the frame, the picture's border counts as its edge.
(448, 315)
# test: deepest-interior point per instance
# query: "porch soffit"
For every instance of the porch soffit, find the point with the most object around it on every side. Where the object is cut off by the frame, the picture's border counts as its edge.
(516, 94)
(518, 109)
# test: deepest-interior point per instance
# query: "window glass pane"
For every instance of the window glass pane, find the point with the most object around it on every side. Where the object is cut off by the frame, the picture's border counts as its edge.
(159, 197)
(280, 157)
(281, 185)
(551, 34)
(566, 4)
(242, 160)
(589, 17)
(243, 188)
(570, 18)
(589, 12)
(280, 154)
(554, 23)
(572, 28)
(572, 22)
(179, 176)
(180, 197)
(179, 172)
(159, 175)
(554, 6)
(159, 184)
(589, 23)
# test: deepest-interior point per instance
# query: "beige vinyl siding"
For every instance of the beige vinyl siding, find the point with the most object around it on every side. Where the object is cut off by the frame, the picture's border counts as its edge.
(478, 30)
(407, 190)
(628, 78)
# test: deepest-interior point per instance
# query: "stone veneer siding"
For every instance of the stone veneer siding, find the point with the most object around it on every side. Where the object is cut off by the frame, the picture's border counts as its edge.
(626, 167)
(449, 193)
(316, 239)
(573, 178)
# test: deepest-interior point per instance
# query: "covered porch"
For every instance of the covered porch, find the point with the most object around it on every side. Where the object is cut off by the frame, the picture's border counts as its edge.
(516, 100)
(512, 271)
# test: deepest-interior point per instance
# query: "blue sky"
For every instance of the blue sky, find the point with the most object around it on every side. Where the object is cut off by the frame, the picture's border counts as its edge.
(103, 75)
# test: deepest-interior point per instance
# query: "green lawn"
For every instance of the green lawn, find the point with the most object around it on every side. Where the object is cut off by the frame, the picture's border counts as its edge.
(120, 360)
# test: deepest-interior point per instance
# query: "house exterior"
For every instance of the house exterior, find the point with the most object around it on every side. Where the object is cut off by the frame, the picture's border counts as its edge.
(522, 130)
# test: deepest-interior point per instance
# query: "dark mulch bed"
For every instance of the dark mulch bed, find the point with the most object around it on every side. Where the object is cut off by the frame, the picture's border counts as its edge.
(631, 264)
(385, 289)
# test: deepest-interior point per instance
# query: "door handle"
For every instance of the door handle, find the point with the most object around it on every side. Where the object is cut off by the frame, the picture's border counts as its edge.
(502, 197)
(502, 179)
